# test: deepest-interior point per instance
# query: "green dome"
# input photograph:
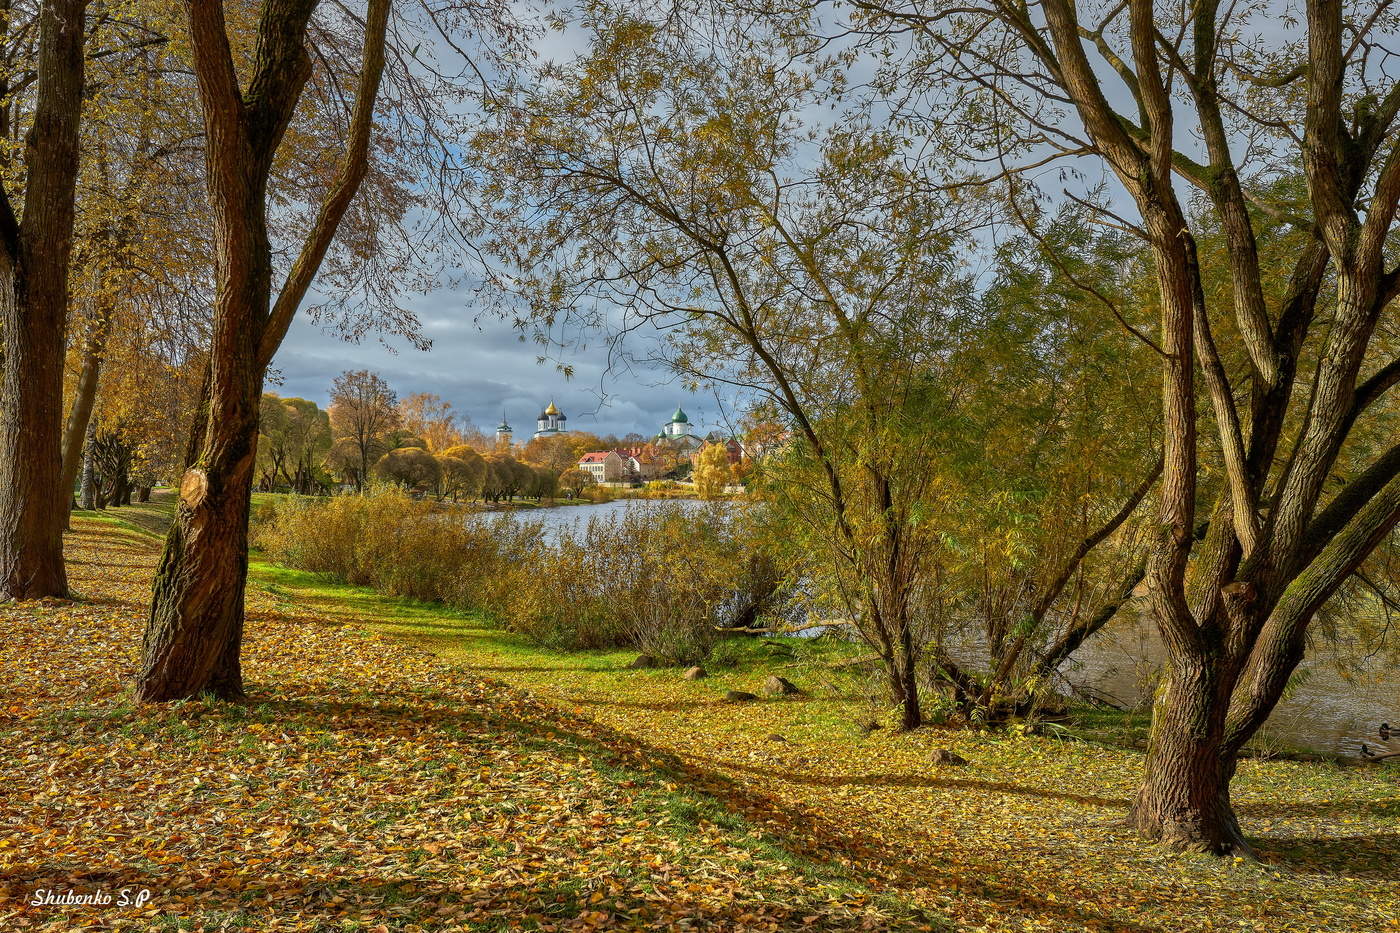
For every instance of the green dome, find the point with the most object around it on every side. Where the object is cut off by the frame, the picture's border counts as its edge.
(679, 417)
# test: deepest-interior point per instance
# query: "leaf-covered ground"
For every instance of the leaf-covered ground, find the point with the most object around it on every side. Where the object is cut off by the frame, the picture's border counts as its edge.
(367, 785)
(1030, 836)
(496, 786)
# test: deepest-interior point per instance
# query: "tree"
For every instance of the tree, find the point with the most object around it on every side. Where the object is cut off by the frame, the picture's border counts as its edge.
(544, 481)
(411, 467)
(658, 459)
(363, 410)
(575, 481)
(293, 436)
(1047, 474)
(308, 440)
(555, 452)
(35, 248)
(343, 462)
(463, 471)
(505, 477)
(138, 289)
(430, 417)
(1285, 358)
(670, 178)
(711, 473)
(193, 639)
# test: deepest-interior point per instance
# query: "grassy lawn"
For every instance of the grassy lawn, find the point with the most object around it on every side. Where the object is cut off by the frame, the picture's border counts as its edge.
(405, 765)
(1030, 836)
(366, 785)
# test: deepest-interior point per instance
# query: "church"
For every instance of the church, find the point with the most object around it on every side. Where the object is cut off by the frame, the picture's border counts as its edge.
(678, 434)
(551, 422)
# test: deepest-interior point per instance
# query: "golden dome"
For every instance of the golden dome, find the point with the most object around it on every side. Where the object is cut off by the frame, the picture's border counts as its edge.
(551, 410)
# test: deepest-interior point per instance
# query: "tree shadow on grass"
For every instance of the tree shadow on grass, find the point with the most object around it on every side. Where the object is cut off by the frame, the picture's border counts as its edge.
(1373, 856)
(920, 780)
(1288, 809)
(805, 833)
(659, 706)
(534, 669)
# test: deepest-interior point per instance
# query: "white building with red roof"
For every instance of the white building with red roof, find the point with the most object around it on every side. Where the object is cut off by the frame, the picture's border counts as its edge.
(605, 465)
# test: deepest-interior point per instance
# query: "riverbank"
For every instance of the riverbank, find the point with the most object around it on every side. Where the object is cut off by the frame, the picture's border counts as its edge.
(683, 789)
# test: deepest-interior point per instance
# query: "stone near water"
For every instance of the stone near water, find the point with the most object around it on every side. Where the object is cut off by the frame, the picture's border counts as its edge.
(945, 757)
(643, 661)
(780, 687)
(695, 673)
(739, 696)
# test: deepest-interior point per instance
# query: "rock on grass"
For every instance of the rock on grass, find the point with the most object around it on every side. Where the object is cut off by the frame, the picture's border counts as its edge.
(780, 687)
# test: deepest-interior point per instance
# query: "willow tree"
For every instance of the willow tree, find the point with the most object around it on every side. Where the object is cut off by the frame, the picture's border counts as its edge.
(1216, 103)
(35, 247)
(673, 177)
(1060, 449)
(193, 639)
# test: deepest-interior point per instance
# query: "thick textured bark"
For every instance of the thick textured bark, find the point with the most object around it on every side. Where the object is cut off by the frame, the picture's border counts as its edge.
(194, 634)
(195, 629)
(34, 315)
(1184, 800)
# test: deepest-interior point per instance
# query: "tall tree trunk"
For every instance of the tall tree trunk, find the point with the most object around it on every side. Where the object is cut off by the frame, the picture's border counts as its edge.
(121, 489)
(196, 623)
(88, 487)
(1184, 800)
(80, 412)
(195, 630)
(34, 315)
(911, 712)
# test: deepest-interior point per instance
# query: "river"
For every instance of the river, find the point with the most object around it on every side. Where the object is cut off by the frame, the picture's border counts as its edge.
(1336, 704)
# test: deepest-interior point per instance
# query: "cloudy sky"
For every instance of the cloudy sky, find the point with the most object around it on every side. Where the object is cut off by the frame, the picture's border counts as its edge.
(484, 369)
(478, 363)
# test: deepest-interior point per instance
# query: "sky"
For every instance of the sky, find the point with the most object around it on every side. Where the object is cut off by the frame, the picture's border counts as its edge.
(484, 369)
(478, 363)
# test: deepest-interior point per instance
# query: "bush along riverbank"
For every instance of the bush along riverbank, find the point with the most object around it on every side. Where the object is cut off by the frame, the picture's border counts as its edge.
(659, 578)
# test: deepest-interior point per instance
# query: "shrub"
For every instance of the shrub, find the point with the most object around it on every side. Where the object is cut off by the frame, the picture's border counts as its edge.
(658, 578)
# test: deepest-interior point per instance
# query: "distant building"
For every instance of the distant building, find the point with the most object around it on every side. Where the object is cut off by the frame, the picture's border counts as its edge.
(503, 432)
(614, 466)
(678, 435)
(551, 422)
(641, 460)
(604, 465)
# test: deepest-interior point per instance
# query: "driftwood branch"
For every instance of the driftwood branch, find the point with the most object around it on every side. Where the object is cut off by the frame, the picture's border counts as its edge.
(786, 630)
